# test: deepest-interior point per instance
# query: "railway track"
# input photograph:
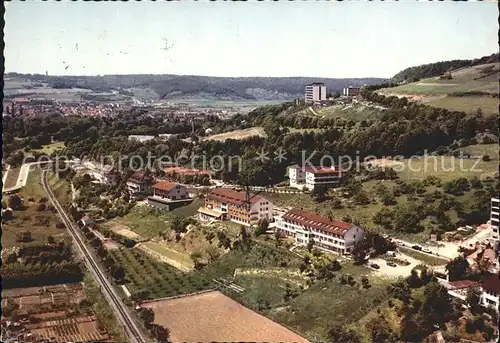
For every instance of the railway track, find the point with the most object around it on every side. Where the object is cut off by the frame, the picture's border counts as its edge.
(123, 315)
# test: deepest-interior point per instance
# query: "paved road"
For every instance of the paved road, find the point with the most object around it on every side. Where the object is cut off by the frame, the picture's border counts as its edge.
(121, 311)
(22, 178)
(4, 177)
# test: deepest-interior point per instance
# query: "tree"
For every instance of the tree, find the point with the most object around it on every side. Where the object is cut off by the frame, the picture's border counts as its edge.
(338, 334)
(437, 304)
(379, 330)
(359, 253)
(310, 245)
(319, 193)
(458, 268)
(365, 282)
(160, 333)
(15, 202)
(473, 296)
(277, 237)
(147, 315)
(400, 290)
(24, 236)
(262, 227)
(196, 258)
(51, 240)
(118, 273)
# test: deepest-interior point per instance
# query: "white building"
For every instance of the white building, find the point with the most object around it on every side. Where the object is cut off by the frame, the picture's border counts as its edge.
(490, 292)
(330, 235)
(315, 92)
(351, 91)
(141, 138)
(494, 219)
(311, 177)
(169, 195)
(237, 206)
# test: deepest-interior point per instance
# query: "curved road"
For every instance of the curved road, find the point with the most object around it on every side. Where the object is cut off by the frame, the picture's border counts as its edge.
(121, 311)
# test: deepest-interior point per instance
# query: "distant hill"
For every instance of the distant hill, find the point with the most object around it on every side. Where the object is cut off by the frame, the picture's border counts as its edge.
(470, 86)
(413, 74)
(185, 86)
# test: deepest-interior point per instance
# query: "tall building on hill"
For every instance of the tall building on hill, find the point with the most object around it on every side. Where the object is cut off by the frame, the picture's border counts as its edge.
(315, 92)
(312, 177)
(494, 219)
(351, 91)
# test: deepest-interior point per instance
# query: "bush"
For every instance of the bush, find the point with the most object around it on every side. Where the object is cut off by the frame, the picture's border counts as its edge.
(41, 207)
(486, 158)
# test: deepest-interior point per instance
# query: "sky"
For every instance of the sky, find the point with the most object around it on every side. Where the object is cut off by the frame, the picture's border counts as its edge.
(313, 38)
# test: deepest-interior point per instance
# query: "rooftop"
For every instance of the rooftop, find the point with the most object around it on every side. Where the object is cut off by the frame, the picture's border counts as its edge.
(492, 284)
(141, 177)
(232, 196)
(309, 219)
(165, 186)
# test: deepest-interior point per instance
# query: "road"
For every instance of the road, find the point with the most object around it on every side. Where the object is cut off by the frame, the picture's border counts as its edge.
(4, 177)
(22, 178)
(121, 311)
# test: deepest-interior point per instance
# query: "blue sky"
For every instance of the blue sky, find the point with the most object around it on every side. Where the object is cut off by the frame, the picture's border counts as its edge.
(318, 39)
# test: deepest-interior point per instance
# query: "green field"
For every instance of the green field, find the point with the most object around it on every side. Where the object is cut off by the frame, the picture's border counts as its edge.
(171, 254)
(50, 148)
(442, 93)
(447, 168)
(41, 224)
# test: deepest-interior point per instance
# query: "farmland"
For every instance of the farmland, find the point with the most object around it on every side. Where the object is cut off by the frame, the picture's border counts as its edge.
(41, 223)
(455, 94)
(58, 312)
(213, 310)
(237, 134)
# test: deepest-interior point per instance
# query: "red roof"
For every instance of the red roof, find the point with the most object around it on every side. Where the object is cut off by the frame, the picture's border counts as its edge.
(186, 171)
(317, 222)
(492, 284)
(461, 284)
(165, 186)
(141, 177)
(232, 196)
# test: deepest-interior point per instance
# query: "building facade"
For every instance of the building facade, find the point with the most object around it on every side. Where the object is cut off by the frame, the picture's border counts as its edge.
(494, 219)
(326, 234)
(237, 206)
(315, 92)
(351, 91)
(170, 191)
(312, 177)
(140, 184)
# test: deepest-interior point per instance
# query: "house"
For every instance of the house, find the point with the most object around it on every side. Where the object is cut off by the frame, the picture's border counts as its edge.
(312, 177)
(326, 234)
(169, 195)
(494, 219)
(86, 221)
(105, 174)
(458, 289)
(237, 206)
(140, 183)
(490, 292)
(351, 91)
(315, 92)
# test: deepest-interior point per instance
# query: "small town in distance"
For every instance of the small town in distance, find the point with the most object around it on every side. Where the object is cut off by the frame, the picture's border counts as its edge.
(143, 204)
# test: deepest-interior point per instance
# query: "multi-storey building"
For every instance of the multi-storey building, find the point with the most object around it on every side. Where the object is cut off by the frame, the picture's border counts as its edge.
(315, 92)
(326, 234)
(237, 206)
(494, 219)
(140, 184)
(351, 91)
(490, 292)
(169, 195)
(311, 177)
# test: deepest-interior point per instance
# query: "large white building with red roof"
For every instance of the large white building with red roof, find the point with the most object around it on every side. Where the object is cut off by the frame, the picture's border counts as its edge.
(169, 195)
(326, 234)
(237, 206)
(312, 177)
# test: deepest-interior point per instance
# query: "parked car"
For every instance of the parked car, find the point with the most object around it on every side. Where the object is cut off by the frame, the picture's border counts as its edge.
(392, 264)
(375, 266)
(417, 247)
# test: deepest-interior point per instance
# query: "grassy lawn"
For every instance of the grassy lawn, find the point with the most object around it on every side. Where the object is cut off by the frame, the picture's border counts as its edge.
(12, 177)
(491, 150)
(50, 148)
(488, 105)
(446, 168)
(190, 209)
(165, 251)
(427, 259)
(147, 222)
(41, 224)
(326, 304)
